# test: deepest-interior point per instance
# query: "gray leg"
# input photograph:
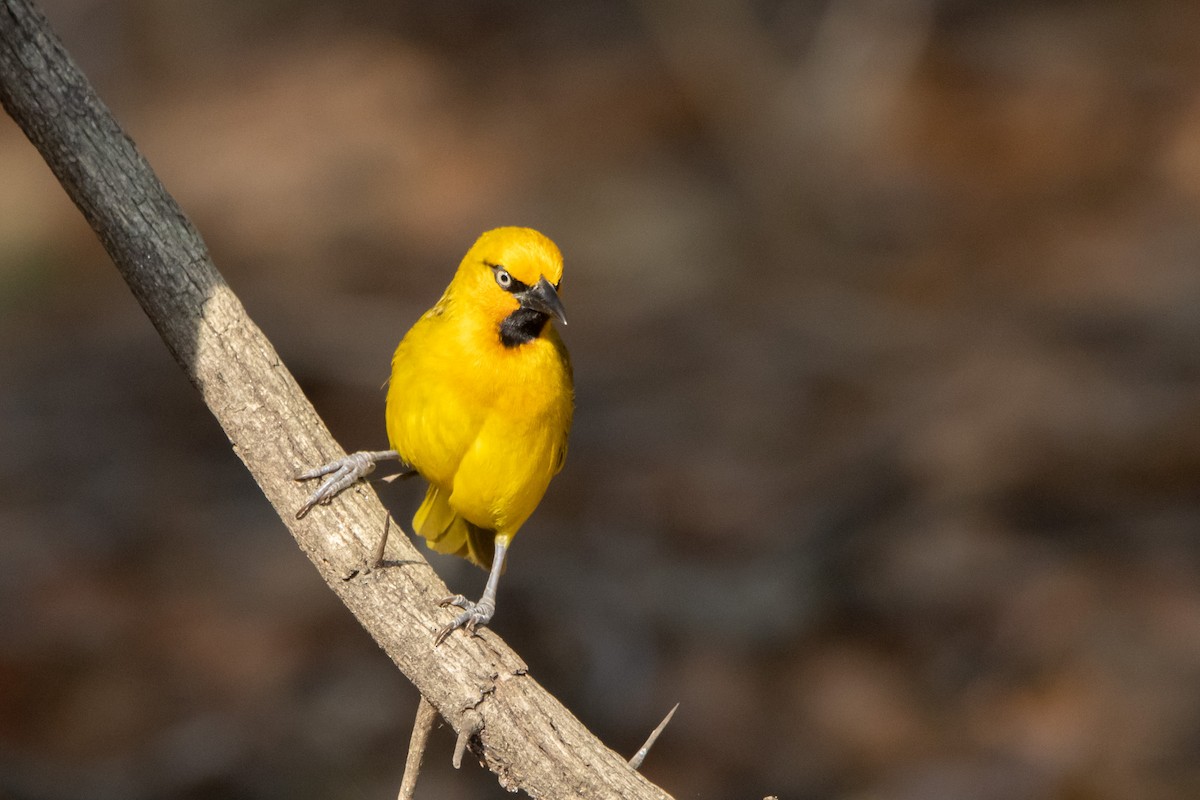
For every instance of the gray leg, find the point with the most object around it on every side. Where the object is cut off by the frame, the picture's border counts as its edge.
(476, 614)
(341, 474)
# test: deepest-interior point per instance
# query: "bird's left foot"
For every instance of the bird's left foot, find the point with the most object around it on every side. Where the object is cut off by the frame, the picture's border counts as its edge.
(473, 616)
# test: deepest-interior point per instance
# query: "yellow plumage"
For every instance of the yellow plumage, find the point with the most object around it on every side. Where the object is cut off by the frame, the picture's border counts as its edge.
(480, 404)
(479, 408)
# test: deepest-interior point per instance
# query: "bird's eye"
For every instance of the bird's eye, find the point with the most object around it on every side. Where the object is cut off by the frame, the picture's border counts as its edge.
(504, 279)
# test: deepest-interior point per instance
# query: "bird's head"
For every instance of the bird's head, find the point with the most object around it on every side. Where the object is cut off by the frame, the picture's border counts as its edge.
(512, 275)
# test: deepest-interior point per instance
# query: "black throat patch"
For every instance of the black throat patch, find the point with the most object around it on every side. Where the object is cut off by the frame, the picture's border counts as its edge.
(522, 326)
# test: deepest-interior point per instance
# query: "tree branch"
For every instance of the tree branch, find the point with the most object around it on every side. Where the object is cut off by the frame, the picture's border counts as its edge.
(525, 736)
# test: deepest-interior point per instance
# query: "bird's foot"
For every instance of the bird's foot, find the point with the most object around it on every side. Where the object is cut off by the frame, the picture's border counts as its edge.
(341, 474)
(473, 616)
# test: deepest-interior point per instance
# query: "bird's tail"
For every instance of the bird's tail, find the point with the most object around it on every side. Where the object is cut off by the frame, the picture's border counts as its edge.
(447, 532)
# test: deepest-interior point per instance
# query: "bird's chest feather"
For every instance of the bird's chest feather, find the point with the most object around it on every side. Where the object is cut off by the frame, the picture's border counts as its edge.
(458, 393)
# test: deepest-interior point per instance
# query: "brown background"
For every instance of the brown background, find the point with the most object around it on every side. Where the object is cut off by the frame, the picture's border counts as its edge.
(886, 328)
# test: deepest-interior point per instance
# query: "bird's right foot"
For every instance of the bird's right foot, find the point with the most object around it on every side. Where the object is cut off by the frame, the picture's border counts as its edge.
(341, 474)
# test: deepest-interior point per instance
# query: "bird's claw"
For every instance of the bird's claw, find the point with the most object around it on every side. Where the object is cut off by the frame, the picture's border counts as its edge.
(473, 616)
(341, 473)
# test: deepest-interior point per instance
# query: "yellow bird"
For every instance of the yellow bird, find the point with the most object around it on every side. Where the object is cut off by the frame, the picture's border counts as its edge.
(480, 405)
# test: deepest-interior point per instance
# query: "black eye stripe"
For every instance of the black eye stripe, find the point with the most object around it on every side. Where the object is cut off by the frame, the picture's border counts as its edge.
(514, 285)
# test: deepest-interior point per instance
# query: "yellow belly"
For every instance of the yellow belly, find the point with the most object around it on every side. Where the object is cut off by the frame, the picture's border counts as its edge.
(486, 425)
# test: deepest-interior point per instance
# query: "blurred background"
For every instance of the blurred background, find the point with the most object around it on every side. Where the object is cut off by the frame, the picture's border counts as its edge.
(885, 317)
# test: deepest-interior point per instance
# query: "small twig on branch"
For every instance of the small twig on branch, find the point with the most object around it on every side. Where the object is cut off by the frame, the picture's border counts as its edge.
(377, 556)
(640, 755)
(422, 725)
(472, 725)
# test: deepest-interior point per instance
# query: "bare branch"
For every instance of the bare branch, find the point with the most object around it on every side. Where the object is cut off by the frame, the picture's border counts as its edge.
(523, 735)
(422, 725)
